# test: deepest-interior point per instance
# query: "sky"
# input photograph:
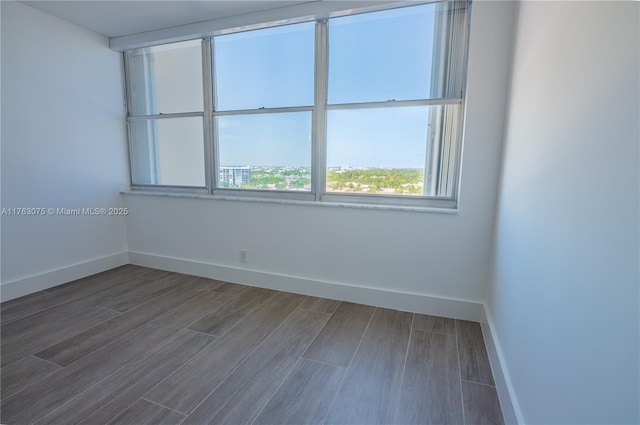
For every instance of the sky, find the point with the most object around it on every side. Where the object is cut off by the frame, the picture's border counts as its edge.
(378, 56)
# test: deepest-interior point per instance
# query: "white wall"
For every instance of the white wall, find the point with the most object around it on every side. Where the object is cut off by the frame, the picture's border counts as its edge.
(564, 297)
(63, 145)
(443, 255)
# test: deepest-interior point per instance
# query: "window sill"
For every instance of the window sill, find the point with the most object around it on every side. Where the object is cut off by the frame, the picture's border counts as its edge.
(331, 204)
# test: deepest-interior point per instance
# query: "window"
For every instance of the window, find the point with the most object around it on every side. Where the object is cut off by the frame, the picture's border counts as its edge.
(264, 87)
(165, 100)
(363, 108)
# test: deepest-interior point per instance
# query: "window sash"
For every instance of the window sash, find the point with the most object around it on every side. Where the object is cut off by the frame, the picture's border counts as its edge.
(442, 165)
(150, 153)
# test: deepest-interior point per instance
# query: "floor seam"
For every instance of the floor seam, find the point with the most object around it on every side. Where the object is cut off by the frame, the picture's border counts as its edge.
(346, 371)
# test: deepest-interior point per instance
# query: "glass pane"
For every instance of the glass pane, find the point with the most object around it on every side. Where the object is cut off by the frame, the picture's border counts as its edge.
(265, 151)
(400, 54)
(377, 151)
(265, 68)
(166, 79)
(168, 151)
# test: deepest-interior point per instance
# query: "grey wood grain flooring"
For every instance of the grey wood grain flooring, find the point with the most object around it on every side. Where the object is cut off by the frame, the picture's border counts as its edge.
(481, 404)
(20, 307)
(436, 324)
(37, 400)
(305, 396)
(143, 412)
(23, 373)
(192, 383)
(134, 345)
(321, 305)
(78, 346)
(240, 397)
(33, 333)
(337, 342)
(26, 306)
(223, 319)
(119, 273)
(474, 360)
(371, 386)
(103, 402)
(431, 385)
(142, 291)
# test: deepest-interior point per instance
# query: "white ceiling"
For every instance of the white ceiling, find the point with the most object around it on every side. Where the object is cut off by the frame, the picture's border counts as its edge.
(117, 18)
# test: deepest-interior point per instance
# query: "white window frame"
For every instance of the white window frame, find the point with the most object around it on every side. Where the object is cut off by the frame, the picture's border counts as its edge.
(206, 188)
(451, 165)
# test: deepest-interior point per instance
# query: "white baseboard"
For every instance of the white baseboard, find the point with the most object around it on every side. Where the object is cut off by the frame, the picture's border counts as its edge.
(28, 285)
(506, 394)
(416, 303)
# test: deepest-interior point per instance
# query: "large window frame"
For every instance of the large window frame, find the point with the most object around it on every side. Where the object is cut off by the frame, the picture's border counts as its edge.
(443, 161)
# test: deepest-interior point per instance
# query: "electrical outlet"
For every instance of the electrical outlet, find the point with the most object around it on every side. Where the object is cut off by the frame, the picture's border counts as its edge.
(243, 255)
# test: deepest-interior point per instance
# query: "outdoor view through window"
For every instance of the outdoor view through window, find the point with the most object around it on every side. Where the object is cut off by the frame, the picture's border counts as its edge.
(379, 114)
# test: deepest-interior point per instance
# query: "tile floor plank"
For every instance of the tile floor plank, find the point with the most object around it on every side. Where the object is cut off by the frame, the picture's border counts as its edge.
(78, 346)
(143, 291)
(103, 402)
(23, 373)
(38, 400)
(305, 396)
(64, 300)
(192, 383)
(371, 386)
(443, 325)
(15, 308)
(431, 384)
(241, 396)
(223, 319)
(322, 305)
(224, 287)
(474, 361)
(481, 404)
(127, 271)
(117, 274)
(143, 412)
(338, 340)
(155, 274)
(27, 306)
(33, 333)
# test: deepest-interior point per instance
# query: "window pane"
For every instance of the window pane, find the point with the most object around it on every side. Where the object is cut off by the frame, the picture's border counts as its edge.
(377, 151)
(265, 68)
(265, 151)
(168, 151)
(166, 79)
(406, 53)
(386, 151)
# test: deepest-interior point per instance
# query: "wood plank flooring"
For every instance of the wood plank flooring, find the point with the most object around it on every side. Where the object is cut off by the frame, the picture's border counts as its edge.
(135, 345)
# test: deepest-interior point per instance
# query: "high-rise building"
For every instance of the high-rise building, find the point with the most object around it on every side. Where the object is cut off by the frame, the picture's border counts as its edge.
(234, 176)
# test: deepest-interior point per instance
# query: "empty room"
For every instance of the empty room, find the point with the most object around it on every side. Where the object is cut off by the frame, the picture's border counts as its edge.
(320, 212)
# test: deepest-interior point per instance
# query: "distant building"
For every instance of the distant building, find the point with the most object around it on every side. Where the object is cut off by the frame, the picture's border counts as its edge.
(234, 176)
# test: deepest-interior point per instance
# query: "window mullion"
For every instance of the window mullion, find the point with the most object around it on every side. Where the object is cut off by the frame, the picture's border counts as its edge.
(206, 120)
(211, 120)
(319, 121)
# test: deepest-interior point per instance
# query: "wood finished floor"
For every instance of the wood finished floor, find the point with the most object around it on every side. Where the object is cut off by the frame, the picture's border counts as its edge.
(141, 346)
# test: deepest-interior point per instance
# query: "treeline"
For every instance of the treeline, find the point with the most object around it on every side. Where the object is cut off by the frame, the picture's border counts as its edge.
(279, 178)
(402, 181)
(376, 180)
